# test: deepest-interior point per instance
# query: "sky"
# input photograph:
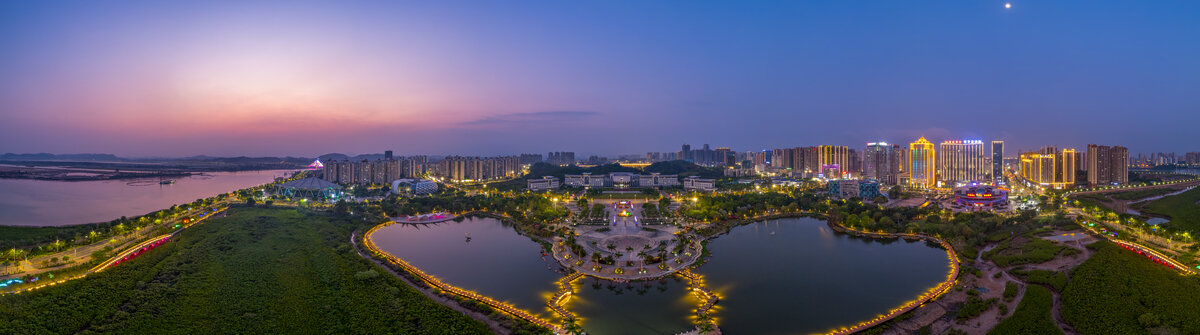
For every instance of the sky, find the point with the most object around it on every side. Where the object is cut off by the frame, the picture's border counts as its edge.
(304, 78)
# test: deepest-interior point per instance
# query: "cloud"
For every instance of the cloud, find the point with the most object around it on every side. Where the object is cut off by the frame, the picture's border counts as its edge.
(519, 118)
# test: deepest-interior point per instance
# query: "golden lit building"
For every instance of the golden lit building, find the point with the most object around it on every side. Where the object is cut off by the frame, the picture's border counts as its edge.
(1048, 168)
(922, 156)
(834, 155)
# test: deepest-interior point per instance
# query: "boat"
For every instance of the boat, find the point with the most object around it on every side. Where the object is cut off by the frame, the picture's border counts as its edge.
(166, 182)
(468, 236)
(772, 233)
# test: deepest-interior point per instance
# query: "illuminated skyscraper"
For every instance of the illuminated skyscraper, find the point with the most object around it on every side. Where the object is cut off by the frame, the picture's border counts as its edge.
(998, 161)
(923, 173)
(1049, 167)
(962, 162)
(839, 155)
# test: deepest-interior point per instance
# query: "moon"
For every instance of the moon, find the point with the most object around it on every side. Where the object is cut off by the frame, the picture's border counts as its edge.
(1007, 5)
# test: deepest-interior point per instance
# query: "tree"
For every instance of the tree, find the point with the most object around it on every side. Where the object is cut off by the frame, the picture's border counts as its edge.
(342, 208)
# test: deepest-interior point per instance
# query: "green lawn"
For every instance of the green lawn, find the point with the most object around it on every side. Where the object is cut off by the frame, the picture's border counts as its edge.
(1120, 292)
(258, 271)
(1182, 208)
(1032, 315)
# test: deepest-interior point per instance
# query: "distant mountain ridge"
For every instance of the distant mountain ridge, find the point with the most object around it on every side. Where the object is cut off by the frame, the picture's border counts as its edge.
(115, 158)
(50, 157)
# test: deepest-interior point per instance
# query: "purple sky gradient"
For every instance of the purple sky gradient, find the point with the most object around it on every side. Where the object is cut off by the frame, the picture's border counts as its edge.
(304, 78)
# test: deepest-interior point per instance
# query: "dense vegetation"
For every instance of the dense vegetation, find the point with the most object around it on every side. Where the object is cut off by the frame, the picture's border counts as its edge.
(1119, 292)
(265, 271)
(1025, 250)
(1182, 209)
(1140, 194)
(20, 241)
(1032, 315)
(1053, 279)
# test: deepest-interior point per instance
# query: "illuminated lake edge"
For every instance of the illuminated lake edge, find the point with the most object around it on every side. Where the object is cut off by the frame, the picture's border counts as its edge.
(567, 285)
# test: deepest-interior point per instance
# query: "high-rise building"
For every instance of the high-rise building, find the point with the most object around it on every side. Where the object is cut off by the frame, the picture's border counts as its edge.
(387, 155)
(685, 153)
(883, 162)
(998, 161)
(1048, 167)
(961, 162)
(834, 155)
(530, 158)
(923, 170)
(1107, 165)
(561, 158)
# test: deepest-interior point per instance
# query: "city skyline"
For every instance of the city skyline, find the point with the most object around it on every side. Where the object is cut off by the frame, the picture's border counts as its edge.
(303, 79)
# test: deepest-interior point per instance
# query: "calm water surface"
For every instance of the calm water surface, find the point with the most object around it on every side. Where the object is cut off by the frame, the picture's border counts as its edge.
(807, 279)
(803, 279)
(56, 203)
(497, 262)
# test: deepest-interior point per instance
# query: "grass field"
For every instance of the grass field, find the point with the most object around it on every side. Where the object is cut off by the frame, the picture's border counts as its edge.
(1119, 292)
(258, 271)
(1032, 315)
(1182, 209)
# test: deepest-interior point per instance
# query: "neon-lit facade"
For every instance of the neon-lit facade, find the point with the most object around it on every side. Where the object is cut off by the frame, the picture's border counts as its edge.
(922, 156)
(981, 197)
(961, 162)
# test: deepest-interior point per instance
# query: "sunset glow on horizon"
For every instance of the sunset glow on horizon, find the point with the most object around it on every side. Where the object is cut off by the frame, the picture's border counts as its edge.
(306, 78)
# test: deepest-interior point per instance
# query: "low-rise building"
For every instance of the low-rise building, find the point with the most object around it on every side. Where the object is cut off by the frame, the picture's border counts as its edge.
(700, 184)
(853, 188)
(584, 180)
(545, 183)
(414, 186)
(657, 180)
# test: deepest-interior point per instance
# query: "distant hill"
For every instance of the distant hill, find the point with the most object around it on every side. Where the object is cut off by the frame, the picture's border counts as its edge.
(685, 169)
(341, 157)
(52, 157)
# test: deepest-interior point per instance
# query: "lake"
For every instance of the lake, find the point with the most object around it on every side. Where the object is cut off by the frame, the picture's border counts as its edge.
(804, 278)
(27, 202)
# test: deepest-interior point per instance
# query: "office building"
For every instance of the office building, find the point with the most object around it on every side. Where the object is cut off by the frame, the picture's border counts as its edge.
(998, 162)
(545, 183)
(923, 164)
(962, 162)
(699, 184)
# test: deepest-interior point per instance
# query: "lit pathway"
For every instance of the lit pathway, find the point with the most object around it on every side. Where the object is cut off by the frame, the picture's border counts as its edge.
(932, 293)
(134, 250)
(432, 281)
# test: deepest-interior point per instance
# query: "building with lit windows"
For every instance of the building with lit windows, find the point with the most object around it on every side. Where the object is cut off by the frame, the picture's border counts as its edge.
(700, 184)
(1107, 165)
(923, 164)
(883, 162)
(545, 183)
(1048, 168)
(962, 162)
(839, 155)
(998, 162)
(866, 189)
